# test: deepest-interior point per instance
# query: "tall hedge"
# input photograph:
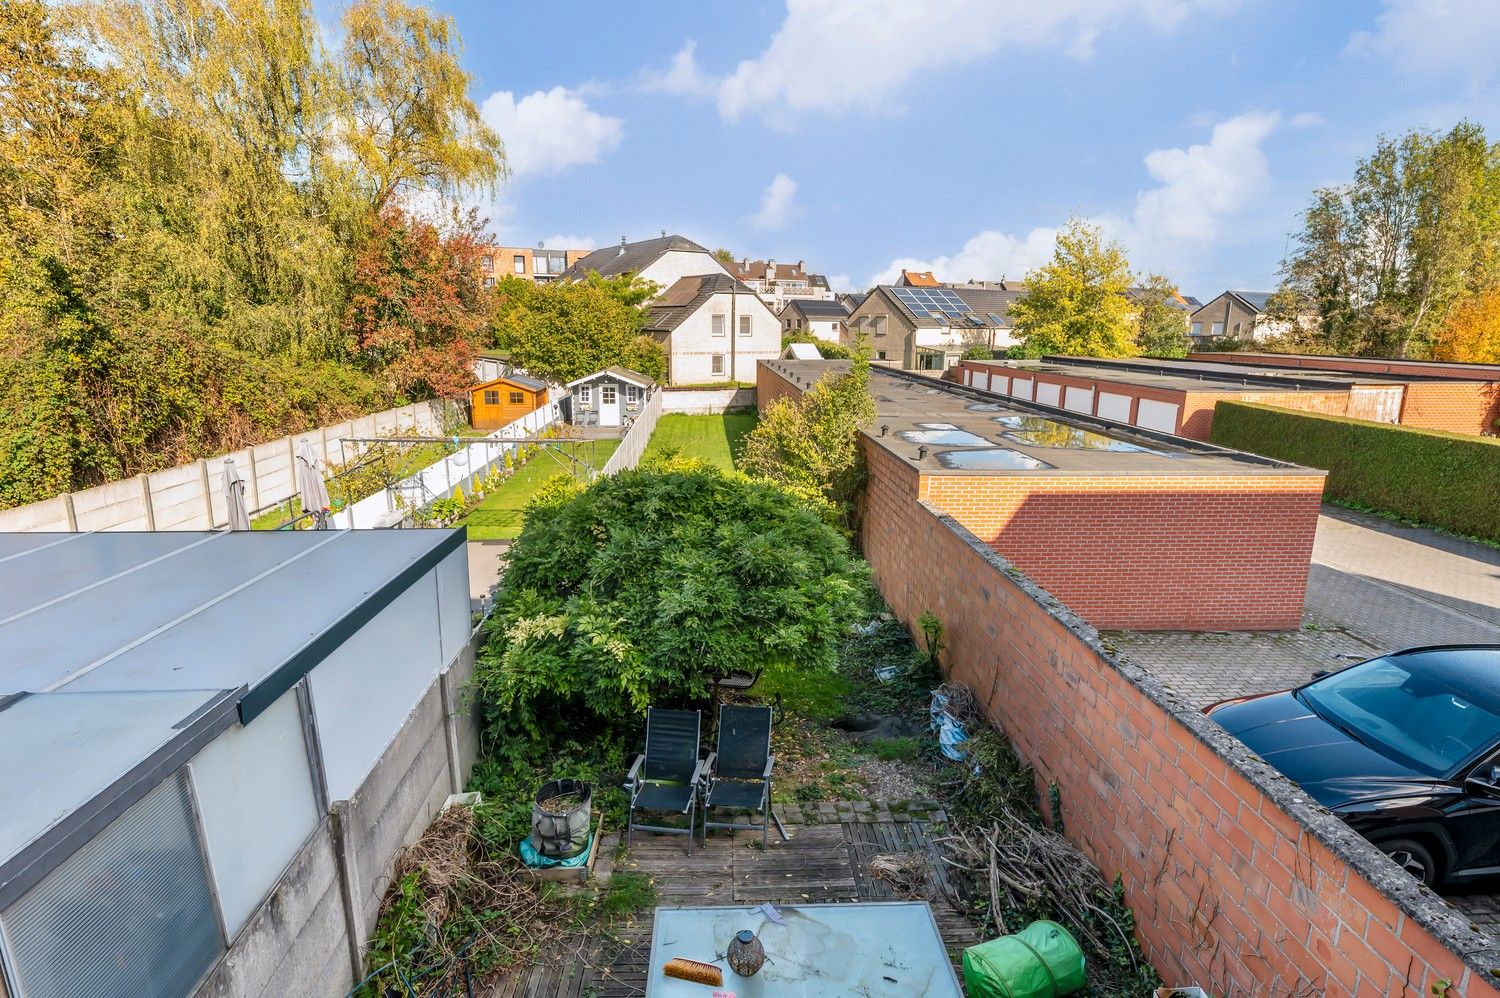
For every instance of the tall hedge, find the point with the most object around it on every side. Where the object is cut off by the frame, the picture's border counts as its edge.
(1450, 480)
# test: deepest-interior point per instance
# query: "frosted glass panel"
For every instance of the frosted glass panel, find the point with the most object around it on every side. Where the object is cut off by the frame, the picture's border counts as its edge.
(255, 793)
(128, 914)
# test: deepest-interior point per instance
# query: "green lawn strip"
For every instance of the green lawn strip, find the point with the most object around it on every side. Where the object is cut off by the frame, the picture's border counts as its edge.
(714, 439)
(499, 516)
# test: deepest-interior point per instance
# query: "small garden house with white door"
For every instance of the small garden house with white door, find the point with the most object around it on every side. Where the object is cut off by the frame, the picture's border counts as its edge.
(611, 397)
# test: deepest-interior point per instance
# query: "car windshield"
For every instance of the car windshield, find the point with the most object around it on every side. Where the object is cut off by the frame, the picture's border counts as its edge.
(1406, 714)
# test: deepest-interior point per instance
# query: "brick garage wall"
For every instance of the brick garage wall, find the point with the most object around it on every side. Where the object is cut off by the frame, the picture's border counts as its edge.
(1236, 880)
(1140, 552)
(1198, 409)
(770, 386)
(1454, 406)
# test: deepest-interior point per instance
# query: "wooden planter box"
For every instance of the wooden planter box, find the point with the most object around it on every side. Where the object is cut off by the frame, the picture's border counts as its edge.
(576, 874)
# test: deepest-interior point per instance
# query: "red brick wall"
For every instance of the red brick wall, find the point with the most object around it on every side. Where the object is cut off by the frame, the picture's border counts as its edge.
(1455, 406)
(770, 386)
(1229, 888)
(1166, 553)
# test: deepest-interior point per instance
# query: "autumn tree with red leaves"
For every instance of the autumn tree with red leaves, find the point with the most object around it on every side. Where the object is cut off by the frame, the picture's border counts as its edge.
(418, 309)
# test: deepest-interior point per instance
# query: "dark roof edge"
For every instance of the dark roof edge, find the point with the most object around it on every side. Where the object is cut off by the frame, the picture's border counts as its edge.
(1248, 378)
(270, 689)
(1450, 928)
(44, 854)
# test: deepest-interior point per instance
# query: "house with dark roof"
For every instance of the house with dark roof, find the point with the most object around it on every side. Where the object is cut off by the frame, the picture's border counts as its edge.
(714, 329)
(823, 319)
(662, 260)
(1240, 315)
(929, 328)
(779, 283)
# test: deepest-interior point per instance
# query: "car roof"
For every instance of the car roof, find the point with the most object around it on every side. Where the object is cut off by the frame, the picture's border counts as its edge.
(1473, 668)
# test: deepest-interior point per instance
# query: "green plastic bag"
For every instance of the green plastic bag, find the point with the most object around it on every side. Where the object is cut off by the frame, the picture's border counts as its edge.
(1041, 961)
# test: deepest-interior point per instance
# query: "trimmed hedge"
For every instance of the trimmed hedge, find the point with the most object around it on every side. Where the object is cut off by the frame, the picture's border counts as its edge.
(1449, 480)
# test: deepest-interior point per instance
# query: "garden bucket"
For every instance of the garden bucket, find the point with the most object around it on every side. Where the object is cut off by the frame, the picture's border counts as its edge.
(560, 818)
(1041, 961)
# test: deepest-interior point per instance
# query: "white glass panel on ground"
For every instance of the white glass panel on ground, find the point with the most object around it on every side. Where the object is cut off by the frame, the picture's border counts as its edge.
(1078, 399)
(256, 799)
(1048, 393)
(1114, 407)
(129, 913)
(453, 602)
(1020, 388)
(1155, 415)
(364, 690)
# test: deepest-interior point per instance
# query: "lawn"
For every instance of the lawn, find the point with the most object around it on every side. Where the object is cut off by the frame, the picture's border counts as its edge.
(499, 516)
(715, 439)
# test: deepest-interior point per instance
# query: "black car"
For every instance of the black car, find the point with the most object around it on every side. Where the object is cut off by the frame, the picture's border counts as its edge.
(1405, 748)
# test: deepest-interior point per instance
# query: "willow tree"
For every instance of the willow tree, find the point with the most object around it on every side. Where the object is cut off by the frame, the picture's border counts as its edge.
(1076, 303)
(412, 126)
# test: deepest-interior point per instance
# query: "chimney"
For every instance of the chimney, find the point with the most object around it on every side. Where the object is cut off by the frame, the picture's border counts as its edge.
(770, 270)
(622, 246)
(664, 233)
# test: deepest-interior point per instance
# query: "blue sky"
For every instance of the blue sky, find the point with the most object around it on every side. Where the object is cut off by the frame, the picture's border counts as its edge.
(859, 134)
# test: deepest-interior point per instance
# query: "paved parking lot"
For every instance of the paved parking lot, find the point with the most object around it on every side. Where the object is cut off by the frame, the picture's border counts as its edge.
(1374, 587)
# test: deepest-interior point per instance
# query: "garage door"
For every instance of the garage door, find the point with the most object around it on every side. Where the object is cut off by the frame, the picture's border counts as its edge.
(1048, 394)
(1078, 399)
(1157, 416)
(1020, 388)
(999, 383)
(1114, 407)
(970, 376)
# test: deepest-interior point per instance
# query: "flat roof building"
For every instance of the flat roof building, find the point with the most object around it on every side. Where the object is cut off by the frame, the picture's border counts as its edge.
(1129, 527)
(180, 715)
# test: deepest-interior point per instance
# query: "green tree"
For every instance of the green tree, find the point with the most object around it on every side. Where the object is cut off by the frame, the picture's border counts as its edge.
(566, 329)
(1383, 259)
(724, 256)
(412, 124)
(1161, 325)
(811, 444)
(1075, 304)
(645, 586)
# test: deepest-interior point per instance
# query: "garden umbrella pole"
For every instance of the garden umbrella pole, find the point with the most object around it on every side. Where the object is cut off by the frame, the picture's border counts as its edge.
(234, 497)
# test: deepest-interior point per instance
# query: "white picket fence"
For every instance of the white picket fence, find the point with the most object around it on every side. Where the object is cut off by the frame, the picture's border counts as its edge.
(190, 496)
(633, 444)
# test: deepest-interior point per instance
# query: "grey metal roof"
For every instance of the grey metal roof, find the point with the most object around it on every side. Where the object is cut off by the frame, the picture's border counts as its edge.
(985, 301)
(524, 380)
(629, 257)
(814, 307)
(1257, 300)
(665, 318)
(982, 303)
(112, 612)
(619, 373)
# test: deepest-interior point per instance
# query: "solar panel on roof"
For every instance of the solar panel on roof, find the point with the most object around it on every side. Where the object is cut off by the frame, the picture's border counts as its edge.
(996, 319)
(932, 301)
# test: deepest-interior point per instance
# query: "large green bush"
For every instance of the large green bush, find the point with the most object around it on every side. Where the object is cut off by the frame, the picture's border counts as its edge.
(641, 588)
(1446, 479)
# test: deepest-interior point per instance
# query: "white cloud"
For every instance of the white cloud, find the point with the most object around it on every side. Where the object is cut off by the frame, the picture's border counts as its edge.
(1198, 189)
(839, 282)
(683, 77)
(990, 255)
(569, 242)
(842, 55)
(550, 130)
(1442, 38)
(1307, 119)
(778, 204)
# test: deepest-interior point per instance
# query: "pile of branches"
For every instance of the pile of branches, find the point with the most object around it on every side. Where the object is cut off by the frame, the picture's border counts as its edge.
(1006, 861)
(455, 914)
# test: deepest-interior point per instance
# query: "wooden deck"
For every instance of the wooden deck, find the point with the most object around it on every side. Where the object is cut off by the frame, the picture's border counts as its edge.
(820, 863)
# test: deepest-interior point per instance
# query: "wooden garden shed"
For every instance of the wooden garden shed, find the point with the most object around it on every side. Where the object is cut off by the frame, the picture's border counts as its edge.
(503, 400)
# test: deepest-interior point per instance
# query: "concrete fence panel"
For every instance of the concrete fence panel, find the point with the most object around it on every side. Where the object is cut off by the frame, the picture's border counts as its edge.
(707, 401)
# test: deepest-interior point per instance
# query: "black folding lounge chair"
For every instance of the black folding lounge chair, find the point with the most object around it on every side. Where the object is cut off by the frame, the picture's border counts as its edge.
(739, 772)
(666, 778)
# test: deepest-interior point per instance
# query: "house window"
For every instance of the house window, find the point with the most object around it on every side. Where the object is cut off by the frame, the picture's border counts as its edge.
(519, 262)
(486, 263)
(718, 325)
(608, 395)
(1236, 329)
(880, 355)
(1197, 329)
(718, 364)
(788, 324)
(1218, 329)
(516, 398)
(585, 395)
(746, 325)
(489, 282)
(491, 398)
(632, 395)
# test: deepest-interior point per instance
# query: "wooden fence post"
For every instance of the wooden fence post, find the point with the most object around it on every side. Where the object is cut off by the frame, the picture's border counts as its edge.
(208, 498)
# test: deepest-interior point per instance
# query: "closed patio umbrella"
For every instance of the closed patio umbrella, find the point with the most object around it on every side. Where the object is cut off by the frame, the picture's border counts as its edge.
(310, 485)
(234, 496)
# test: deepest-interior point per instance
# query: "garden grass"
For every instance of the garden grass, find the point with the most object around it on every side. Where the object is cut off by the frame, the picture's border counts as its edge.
(500, 515)
(716, 440)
